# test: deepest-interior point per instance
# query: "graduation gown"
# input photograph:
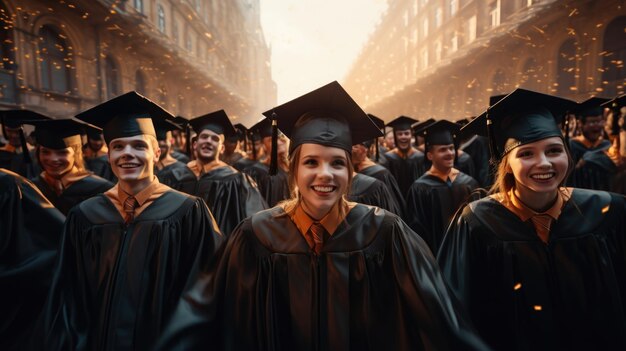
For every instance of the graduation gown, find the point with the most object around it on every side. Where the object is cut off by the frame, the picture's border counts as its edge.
(381, 173)
(374, 286)
(598, 169)
(243, 164)
(231, 196)
(273, 188)
(463, 162)
(30, 233)
(371, 191)
(101, 167)
(74, 194)
(179, 156)
(523, 294)
(116, 284)
(14, 162)
(160, 173)
(405, 170)
(431, 204)
(478, 149)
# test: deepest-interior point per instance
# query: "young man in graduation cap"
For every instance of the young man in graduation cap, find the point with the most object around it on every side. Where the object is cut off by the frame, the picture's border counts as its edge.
(405, 162)
(230, 195)
(166, 161)
(64, 179)
(127, 254)
(433, 198)
(95, 154)
(272, 183)
(12, 155)
(319, 272)
(594, 168)
(235, 149)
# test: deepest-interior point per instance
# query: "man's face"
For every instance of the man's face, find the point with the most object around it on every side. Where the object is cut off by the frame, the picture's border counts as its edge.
(208, 145)
(389, 141)
(132, 158)
(13, 136)
(359, 154)
(165, 146)
(95, 144)
(281, 143)
(230, 145)
(442, 156)
(403, 137)
(592, 127)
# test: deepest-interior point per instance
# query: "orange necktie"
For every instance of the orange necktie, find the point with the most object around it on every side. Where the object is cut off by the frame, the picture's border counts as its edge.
(317, 233)
(129, 207)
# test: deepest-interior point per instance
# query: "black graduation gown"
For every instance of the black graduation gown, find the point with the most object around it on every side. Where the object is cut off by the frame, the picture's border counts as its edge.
(463, 162)
(14, 162)
(231, 196)
(116, 285)
(179, 156)
(405, 170)
(598, 169)
(374, 286)
(100, 166)
(522, 294)
(371, 191)
(74, 194)
(160, 173)
(273, 188)
(30, 232)
(478, 149)
(243, 164)
(431, 204)
(381, 173)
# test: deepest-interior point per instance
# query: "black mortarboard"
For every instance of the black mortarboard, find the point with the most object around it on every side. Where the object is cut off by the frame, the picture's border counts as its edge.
(520, 118)
(338, 122)
(127, 115)
(59, 134)
(463, 121)
(402, 123)
(216, 122)
(440, 132)
(377, 121)
(15, 118)
(590, 107)
(162, 129)
(381, 125)
(493, 99)
(419, 126)
(263, 128)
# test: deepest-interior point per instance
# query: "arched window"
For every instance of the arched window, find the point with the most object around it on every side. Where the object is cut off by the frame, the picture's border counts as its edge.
(471, 100)
(7, 56)
(614, 46)
(140, 82)
(161, 19)
(112, 78)
(55, 60)
(531, 75)
(138, 5)
(566, 68)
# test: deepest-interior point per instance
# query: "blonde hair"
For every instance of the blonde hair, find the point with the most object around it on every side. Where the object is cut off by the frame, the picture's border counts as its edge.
(291, 204)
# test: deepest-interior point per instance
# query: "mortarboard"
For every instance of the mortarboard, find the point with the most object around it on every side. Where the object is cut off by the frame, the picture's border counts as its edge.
(127, 115)
(590, 107)
(520, 118)
(402, 123)
(440, 132)
(326, 116)
(15, 119)
(416, 127)
(493, 99)
(263, 128)
(59, 134)
(381, 125)
(217, 122)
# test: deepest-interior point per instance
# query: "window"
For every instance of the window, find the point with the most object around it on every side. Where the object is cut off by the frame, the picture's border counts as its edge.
(425, 28)
(138, 5)
(161, 19)
(438, 50)
(454, 42)
(531, 2)
(566, 68)
(438, 17)
(188, 41)
(471, 29)
(197, 6)
(55, 60)
(494, 13)
(414, 7)
(140, 82)
(454, 6)
(424, 56)
(7, 54)
(111, 72)
(405, 18)
(175, 31)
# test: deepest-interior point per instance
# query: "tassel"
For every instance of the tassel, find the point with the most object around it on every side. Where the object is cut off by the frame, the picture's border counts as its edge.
(377, 150)
(567, 128)
(493, 159)
(274, 153)
(254, 156)
(188, 141)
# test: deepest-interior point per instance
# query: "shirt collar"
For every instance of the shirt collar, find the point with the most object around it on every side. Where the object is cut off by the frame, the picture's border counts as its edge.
(525, 213)
(444, 176)
(199, 169)
(330, 222)
(141, 196)
(66, 180)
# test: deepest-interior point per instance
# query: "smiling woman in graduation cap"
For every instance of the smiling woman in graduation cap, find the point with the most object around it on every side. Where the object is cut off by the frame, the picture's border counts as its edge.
(538, 266)
(319, 272)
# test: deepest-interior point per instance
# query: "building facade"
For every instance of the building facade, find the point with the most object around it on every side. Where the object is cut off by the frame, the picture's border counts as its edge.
(191, 56)
(444, 58)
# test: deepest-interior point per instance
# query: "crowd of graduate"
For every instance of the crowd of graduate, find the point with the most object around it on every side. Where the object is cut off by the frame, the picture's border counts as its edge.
(319, 228)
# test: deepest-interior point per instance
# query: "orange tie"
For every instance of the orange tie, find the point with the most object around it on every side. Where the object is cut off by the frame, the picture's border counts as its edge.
(542, 224)
(129, 207)
(317, 233)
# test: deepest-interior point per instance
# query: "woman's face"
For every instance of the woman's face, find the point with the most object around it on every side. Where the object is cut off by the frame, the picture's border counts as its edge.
(322, 177)
(540, 166)
(56, 163)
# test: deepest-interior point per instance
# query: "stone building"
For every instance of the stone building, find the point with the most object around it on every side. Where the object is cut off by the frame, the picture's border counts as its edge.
(192, 56)
(444, 58)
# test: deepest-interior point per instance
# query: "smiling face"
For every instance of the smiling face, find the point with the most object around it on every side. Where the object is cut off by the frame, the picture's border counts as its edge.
(208, 145)
(592, 127)
(359, 154)
(56, 163)
(281, 145)
(540, 166)
(322, 177)
(442, 156)
(132, 158)
(403, 138)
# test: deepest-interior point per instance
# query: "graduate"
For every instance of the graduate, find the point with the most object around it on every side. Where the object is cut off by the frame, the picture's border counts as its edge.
(64, 179)
(127, 254)
(538, 266)
(271, 179)
(181, 149)
(230, 194)
(234, 149)
(371, 191)
(376, 151)
(166, 161)
(615, 129)
(435, 196)
(405, 162)
(594, 168)
(95, 154)
(319, 272)
(12, 155)
(30, 233)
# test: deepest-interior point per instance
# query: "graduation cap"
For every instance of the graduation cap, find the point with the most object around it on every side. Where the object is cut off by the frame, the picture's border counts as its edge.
(127, 115)
(59, 134)
(402, 123)
(616, 104)
(495, 98)
(590, 107)
(520, 118)
(163, 129)
(14, 119)
(263, 128)
(381, 125)
(463, 121)
(326, 116)
(440, 132)
(419, 126)
(217, 122)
